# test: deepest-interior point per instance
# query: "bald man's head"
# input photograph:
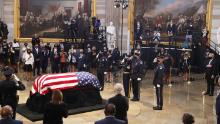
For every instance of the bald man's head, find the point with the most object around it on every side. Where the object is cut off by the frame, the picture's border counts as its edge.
(6, 111)
(110, 110)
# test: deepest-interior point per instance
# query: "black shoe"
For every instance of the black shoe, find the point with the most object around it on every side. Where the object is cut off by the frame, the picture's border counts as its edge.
(157, 108)
(206, 93)
(134, 99)
(211, 95)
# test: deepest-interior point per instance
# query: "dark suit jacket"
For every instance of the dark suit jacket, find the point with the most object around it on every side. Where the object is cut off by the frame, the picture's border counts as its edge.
(10, 121)
(37, 55)
(210, 70)
(110, 120)
(159, 74)
(122, 106)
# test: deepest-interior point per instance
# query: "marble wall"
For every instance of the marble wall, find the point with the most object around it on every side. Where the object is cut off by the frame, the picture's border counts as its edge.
(1, 8)
(8, 16)
(215, 23)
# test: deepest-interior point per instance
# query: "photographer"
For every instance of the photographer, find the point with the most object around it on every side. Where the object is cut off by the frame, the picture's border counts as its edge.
(8, 89)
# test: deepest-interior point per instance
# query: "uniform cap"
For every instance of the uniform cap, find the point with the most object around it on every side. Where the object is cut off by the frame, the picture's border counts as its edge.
(8, 71)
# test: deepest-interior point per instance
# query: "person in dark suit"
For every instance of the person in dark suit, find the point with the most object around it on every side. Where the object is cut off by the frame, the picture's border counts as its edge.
(6, 114)
(210, 74)
(158, 83)
(44, 59)
(101, 69)
(56, 109)
(82, 62)
(136, 75)
(120, 102)
(8, 89)
(126, 75)
(37, 57)
(35, 40)
(110, 118)
(5, 52)
(217, 107)
(55, 60)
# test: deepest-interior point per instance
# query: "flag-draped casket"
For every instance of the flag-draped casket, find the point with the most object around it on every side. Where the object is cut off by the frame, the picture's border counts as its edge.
(79, 89)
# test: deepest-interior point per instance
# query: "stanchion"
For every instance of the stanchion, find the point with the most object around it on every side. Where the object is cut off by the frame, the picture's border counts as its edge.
(189, 77)
(170, 75)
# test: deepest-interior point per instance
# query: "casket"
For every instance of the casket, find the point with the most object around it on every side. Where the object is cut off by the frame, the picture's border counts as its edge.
(80, 89)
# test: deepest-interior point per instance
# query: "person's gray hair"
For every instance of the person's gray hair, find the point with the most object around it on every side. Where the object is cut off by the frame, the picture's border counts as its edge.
(118, 88)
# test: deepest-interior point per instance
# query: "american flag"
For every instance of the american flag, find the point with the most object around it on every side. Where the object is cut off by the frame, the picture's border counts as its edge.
(64, 81)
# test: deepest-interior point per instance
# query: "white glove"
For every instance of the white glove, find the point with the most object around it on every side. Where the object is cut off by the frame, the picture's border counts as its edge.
(155, 60)
(158, 85)
(105, 72)
(139, 79)
(16, 78)
(84, 65)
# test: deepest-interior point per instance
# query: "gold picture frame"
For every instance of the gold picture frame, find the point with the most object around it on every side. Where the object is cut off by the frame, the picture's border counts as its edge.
(17, 24)
(132, 6)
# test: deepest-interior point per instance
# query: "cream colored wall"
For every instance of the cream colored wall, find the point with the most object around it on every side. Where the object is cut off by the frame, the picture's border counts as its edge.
(1, 8)
(106, 12)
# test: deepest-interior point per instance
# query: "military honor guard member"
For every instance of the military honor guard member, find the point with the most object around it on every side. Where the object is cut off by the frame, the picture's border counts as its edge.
(101, 69)
(8, 89)
(136, 75)
(158, 83)
(126, 74)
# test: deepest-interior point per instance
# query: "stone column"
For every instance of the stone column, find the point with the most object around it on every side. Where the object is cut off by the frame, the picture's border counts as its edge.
(1, 8)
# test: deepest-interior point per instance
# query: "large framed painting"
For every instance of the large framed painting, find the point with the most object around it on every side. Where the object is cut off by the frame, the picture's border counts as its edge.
(48, 18)
(151, 15)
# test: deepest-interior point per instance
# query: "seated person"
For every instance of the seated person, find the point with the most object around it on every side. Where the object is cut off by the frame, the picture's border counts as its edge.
(110, 116)
(6, 114)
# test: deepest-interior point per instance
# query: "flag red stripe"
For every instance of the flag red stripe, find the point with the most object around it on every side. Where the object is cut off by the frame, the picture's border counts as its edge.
(62, 76)
(56, 80)
(58, 83)
(42, 80)
(63, 88)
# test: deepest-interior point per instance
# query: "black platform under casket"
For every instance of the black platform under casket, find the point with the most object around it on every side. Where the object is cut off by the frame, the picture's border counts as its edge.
(74, 98)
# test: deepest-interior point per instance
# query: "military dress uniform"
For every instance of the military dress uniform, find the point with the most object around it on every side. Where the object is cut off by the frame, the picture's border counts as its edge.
(8, 92)
(5, 52)
(136, 75)
(210, 76)
(101, 69)
(158, 83)
(126, 76)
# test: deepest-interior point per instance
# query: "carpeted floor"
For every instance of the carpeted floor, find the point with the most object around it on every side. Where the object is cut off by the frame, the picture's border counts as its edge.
(34, 116)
